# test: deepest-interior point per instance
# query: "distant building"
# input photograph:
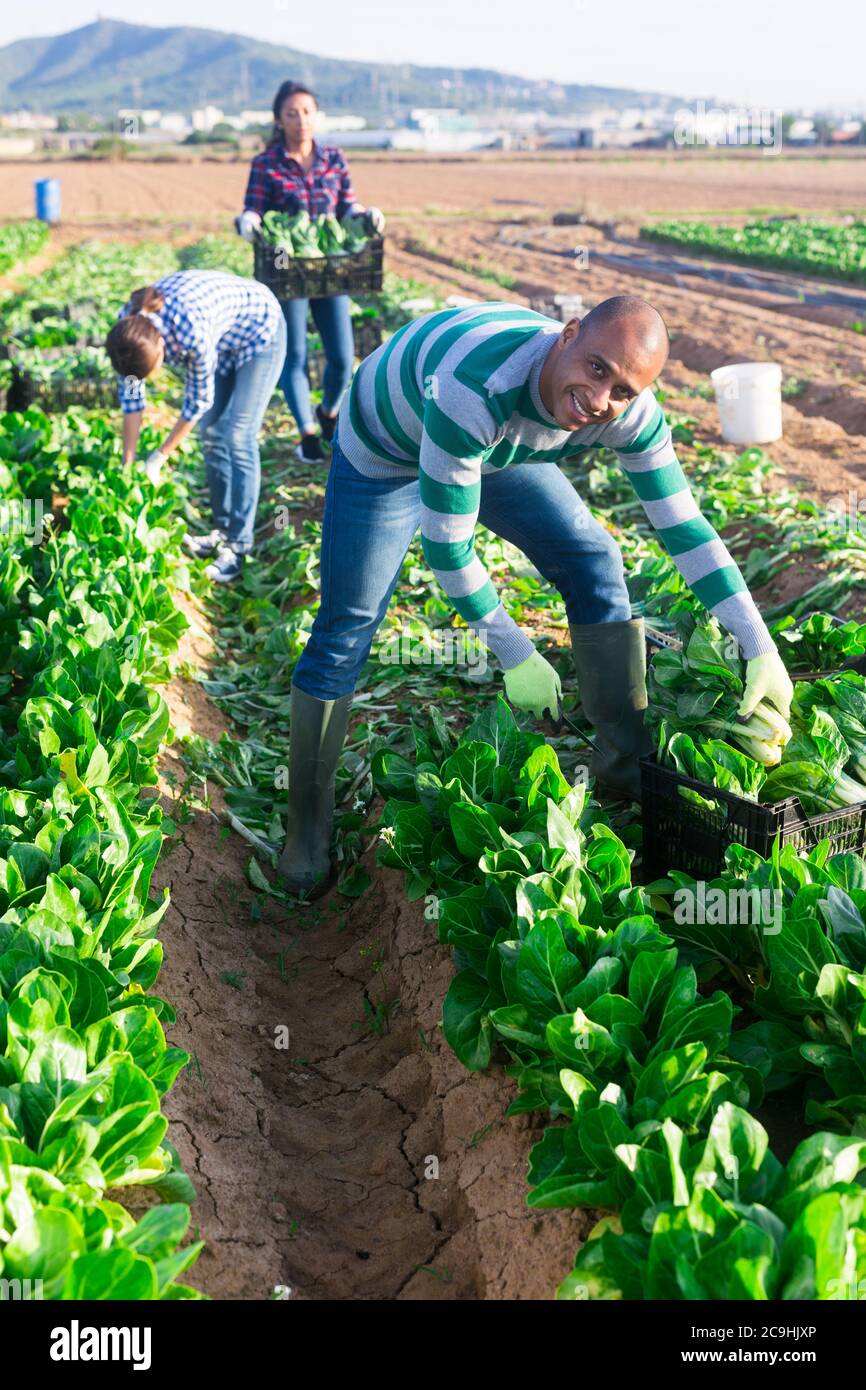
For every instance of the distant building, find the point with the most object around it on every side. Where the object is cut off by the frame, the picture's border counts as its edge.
(802, 132)
(847, 133)
(16, 146)
(436, 118)
(26, 120)
(377, 139)
(256, 118)
(204, 118)
(328, 123)
(174, 123)
(67, 141)
(143, 116)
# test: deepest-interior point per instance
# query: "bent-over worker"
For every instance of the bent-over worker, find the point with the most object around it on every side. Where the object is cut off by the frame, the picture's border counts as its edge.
(463, 417)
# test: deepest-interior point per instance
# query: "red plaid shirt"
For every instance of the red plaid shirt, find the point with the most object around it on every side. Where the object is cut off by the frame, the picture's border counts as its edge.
(277, 181)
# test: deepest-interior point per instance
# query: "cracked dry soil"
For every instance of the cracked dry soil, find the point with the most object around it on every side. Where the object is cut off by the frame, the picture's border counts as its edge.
(313, 1161)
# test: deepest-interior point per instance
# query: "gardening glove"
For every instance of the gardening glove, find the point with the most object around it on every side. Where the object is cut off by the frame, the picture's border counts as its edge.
(248, 224)
(153, 465)
(534, 685)
(375, 220)
(766, 679)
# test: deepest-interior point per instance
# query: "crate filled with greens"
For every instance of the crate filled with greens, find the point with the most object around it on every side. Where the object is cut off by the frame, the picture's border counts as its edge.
(299, 257)
(717, 780)
(56, 379)
(56, 326)
(820, 645)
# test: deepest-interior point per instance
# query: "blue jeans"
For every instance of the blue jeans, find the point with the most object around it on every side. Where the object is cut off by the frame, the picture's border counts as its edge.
(369, 524)
(230, 443)
(334, 322)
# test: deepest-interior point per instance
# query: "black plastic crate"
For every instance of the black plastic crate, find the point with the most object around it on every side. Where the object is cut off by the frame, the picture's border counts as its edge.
(367, 333)
(318, 277)
(73, 313)
(60, 393)
(368, 336)
(659, 641)
(677, 834)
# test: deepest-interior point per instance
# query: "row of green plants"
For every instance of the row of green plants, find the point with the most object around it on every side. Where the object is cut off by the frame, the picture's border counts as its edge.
(76, 300)
(836, 250)
(55, 326)
(88, 624)
(601, 1001)
(700, 1208)
(19, 241)
(566, 968)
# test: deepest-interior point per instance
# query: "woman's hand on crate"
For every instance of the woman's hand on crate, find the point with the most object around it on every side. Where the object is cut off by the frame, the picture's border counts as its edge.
(766, 679)
(248, 224)
(375, 220)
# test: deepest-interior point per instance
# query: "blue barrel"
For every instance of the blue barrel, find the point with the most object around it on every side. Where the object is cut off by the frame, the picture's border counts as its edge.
(47, 199)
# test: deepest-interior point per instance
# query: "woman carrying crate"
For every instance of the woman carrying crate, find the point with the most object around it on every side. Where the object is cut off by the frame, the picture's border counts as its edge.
(297, 174)
(227, 334)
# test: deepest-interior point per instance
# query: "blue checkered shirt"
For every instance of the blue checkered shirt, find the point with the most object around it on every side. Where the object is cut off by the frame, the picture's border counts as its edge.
(211, 322)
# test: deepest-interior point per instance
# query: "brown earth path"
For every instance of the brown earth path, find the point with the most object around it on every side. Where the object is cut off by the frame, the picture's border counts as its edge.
(603, 184)
(312, 1161)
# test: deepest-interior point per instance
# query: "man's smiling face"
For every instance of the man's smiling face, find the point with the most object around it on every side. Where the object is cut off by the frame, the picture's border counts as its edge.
(595, 370)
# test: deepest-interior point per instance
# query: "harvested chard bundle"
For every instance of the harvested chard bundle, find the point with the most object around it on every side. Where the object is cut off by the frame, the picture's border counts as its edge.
(698, 691)
(825, 762)
(298, 234)
(693, 697)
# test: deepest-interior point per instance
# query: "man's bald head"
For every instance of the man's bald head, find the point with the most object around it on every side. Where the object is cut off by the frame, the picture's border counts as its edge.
(629, 310)
(601, 363)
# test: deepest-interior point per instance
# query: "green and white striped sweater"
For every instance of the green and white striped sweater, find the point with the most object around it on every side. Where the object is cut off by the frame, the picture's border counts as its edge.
(454, 395)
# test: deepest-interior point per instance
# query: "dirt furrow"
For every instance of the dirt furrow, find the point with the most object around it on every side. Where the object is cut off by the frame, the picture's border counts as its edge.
(332, 1160)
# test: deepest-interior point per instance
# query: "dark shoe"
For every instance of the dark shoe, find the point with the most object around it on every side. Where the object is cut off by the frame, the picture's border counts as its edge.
(610, 661)
(317, 735)
(199, 547)
(310, 449)
(227, 565)
(328, 424)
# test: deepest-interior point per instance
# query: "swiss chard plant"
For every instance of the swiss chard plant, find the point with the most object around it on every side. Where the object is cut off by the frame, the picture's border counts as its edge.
(88, 622)
(600, 999)
(720, 1218)
(819, 642)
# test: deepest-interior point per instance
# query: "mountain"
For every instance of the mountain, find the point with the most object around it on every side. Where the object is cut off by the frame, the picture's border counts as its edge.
(111, 63)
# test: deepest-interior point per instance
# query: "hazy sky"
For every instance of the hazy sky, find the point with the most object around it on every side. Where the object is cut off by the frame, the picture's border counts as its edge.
(749, 51)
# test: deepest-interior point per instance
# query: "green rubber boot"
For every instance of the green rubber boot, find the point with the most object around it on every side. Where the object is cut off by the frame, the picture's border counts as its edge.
(610, 661)
(318, 732)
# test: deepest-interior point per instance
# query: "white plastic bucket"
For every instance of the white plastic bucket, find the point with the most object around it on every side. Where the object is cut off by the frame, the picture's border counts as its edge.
(749, 398)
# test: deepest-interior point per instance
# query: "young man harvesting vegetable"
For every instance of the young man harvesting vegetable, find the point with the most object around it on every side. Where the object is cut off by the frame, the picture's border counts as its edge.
(463, 416)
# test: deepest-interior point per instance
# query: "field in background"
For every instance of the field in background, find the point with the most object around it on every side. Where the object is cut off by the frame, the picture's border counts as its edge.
(612, 186)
